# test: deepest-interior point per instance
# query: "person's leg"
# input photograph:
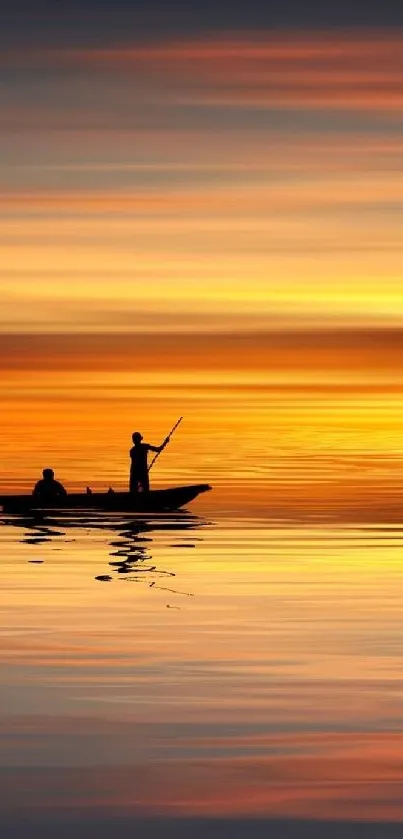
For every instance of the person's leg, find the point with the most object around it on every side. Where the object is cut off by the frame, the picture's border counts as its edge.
(134, 483)
(145, 482)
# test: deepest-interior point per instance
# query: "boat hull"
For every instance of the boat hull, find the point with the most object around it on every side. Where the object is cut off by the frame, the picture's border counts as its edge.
(156, 500)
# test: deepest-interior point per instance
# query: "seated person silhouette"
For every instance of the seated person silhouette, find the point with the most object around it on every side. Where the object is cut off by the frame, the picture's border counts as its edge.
(139, 480)
(48, 490)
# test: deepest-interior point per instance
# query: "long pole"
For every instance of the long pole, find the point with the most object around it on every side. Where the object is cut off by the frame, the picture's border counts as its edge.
(167, 439)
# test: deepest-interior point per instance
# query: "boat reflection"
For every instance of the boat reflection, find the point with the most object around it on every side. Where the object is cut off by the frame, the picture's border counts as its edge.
(130, 539)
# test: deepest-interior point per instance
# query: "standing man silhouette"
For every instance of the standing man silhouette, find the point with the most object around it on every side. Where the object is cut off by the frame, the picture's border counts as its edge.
(139, 480)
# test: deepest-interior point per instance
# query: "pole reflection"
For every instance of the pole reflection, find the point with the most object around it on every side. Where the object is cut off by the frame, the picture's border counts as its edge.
(129, 545)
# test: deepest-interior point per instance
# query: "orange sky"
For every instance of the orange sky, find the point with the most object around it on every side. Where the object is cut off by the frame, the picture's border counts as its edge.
(205, 221)
(227, 180)
(370, 353)
(202, 211)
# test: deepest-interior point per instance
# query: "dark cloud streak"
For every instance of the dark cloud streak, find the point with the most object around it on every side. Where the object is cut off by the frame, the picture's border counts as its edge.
(348, 349)
(98, 22)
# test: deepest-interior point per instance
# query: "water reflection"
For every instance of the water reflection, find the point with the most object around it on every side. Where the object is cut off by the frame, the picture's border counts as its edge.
(131, 539)
(277, 691)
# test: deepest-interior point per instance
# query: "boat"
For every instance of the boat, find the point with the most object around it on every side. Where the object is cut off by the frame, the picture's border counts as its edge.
(154, 501)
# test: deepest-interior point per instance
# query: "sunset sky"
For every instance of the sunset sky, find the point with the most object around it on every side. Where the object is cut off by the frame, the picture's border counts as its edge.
(201, 212)
(208, 168)
(209, 171)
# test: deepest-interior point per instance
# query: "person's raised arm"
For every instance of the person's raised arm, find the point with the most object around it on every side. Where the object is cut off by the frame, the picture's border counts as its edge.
(159, 448)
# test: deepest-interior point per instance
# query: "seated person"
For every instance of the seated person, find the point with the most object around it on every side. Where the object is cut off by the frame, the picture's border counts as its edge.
(48, 490)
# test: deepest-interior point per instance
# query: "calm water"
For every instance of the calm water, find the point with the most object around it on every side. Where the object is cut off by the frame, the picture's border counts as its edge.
(202, 665)
(242, 660)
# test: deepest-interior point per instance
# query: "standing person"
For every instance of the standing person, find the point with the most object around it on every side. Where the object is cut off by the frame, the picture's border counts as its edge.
(139, 480)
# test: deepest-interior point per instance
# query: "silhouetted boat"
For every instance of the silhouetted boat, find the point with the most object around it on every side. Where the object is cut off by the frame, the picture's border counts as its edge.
(154, 501)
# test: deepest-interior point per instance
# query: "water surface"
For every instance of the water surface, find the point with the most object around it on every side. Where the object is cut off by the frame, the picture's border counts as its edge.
(202, 665)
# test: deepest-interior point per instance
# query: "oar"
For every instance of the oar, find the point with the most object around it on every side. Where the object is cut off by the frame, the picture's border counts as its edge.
(167, 441)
